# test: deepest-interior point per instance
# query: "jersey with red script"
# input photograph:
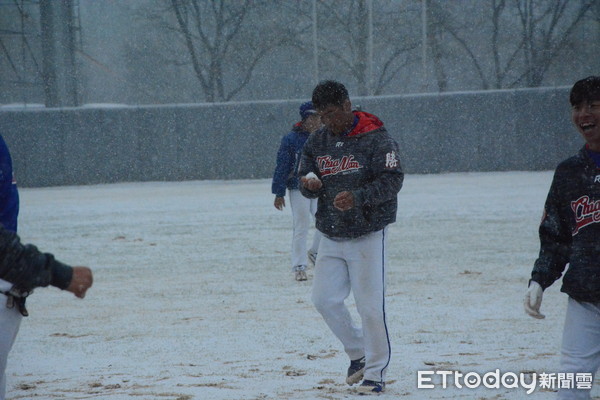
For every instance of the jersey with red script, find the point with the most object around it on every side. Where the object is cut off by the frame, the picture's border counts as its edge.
(570, 230)
(365, 162)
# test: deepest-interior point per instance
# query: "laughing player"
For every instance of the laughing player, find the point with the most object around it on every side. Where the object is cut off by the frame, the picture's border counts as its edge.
(570, 234)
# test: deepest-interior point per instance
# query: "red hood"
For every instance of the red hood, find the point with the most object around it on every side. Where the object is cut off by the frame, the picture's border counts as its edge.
(366, 123)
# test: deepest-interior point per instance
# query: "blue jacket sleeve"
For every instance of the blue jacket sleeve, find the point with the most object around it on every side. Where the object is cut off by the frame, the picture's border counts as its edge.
(9, 196)
(284, 167)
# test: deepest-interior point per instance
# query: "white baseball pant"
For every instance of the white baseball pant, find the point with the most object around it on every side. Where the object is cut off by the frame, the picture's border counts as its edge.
(357, 265)
(10, 320)
(580, 352)
(303, 215)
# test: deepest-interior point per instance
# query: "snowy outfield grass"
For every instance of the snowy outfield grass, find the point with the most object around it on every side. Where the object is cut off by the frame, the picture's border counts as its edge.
(194, 297)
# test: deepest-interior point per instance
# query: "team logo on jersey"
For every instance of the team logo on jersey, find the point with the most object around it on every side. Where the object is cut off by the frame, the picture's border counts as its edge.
(597, 179)
(586, 212)
(329, 166)
(390, 160)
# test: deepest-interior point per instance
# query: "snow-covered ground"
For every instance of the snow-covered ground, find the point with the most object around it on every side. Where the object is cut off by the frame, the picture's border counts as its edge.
(194, 299)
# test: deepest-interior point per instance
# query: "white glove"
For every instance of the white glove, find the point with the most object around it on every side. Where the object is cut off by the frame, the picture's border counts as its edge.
(533, 300)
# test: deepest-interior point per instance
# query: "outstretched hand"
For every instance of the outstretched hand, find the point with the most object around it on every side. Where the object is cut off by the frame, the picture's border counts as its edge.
(82, 280)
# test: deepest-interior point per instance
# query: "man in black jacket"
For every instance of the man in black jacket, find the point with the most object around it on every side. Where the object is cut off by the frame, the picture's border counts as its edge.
(352, 167)
(23, 268)
(570, 234)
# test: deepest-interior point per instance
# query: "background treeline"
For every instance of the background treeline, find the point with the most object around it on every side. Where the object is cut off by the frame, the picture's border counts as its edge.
(196, 51)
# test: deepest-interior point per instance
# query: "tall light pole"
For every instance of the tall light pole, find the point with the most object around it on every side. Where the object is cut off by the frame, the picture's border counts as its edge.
(58, 53)
(315, 44)
(424, 42)
(370, 48)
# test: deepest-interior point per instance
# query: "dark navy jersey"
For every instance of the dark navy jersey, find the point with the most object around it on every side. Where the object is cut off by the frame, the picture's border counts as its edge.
(365, 162)
(570, 230)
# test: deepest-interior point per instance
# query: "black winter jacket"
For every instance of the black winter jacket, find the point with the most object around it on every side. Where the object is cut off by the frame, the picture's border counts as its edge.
(570, 230)
(27, 268)
(364, 162)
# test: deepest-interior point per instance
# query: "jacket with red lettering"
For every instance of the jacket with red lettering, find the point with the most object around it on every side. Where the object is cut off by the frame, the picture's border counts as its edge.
(364, 162)
(570, 230)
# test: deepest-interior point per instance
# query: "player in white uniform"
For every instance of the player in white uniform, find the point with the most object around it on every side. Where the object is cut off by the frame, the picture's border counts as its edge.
(357, 177)
(286, 176)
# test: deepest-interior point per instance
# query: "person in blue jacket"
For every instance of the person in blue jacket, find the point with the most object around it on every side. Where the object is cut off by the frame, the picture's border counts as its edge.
(23, 267)
(10, 317)
(286, 177)
(9, 195)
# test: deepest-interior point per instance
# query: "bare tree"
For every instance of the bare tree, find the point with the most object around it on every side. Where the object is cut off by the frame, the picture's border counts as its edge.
(20, 70)
(221, 50)
(546, 28)
(526, 37)
(594, 34)
(435, 29)
(344, 41)
(224, 41)
(396, 39)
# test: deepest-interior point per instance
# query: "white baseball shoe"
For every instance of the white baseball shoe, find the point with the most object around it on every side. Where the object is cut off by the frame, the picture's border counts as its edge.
(301, 275)
(300, 272)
